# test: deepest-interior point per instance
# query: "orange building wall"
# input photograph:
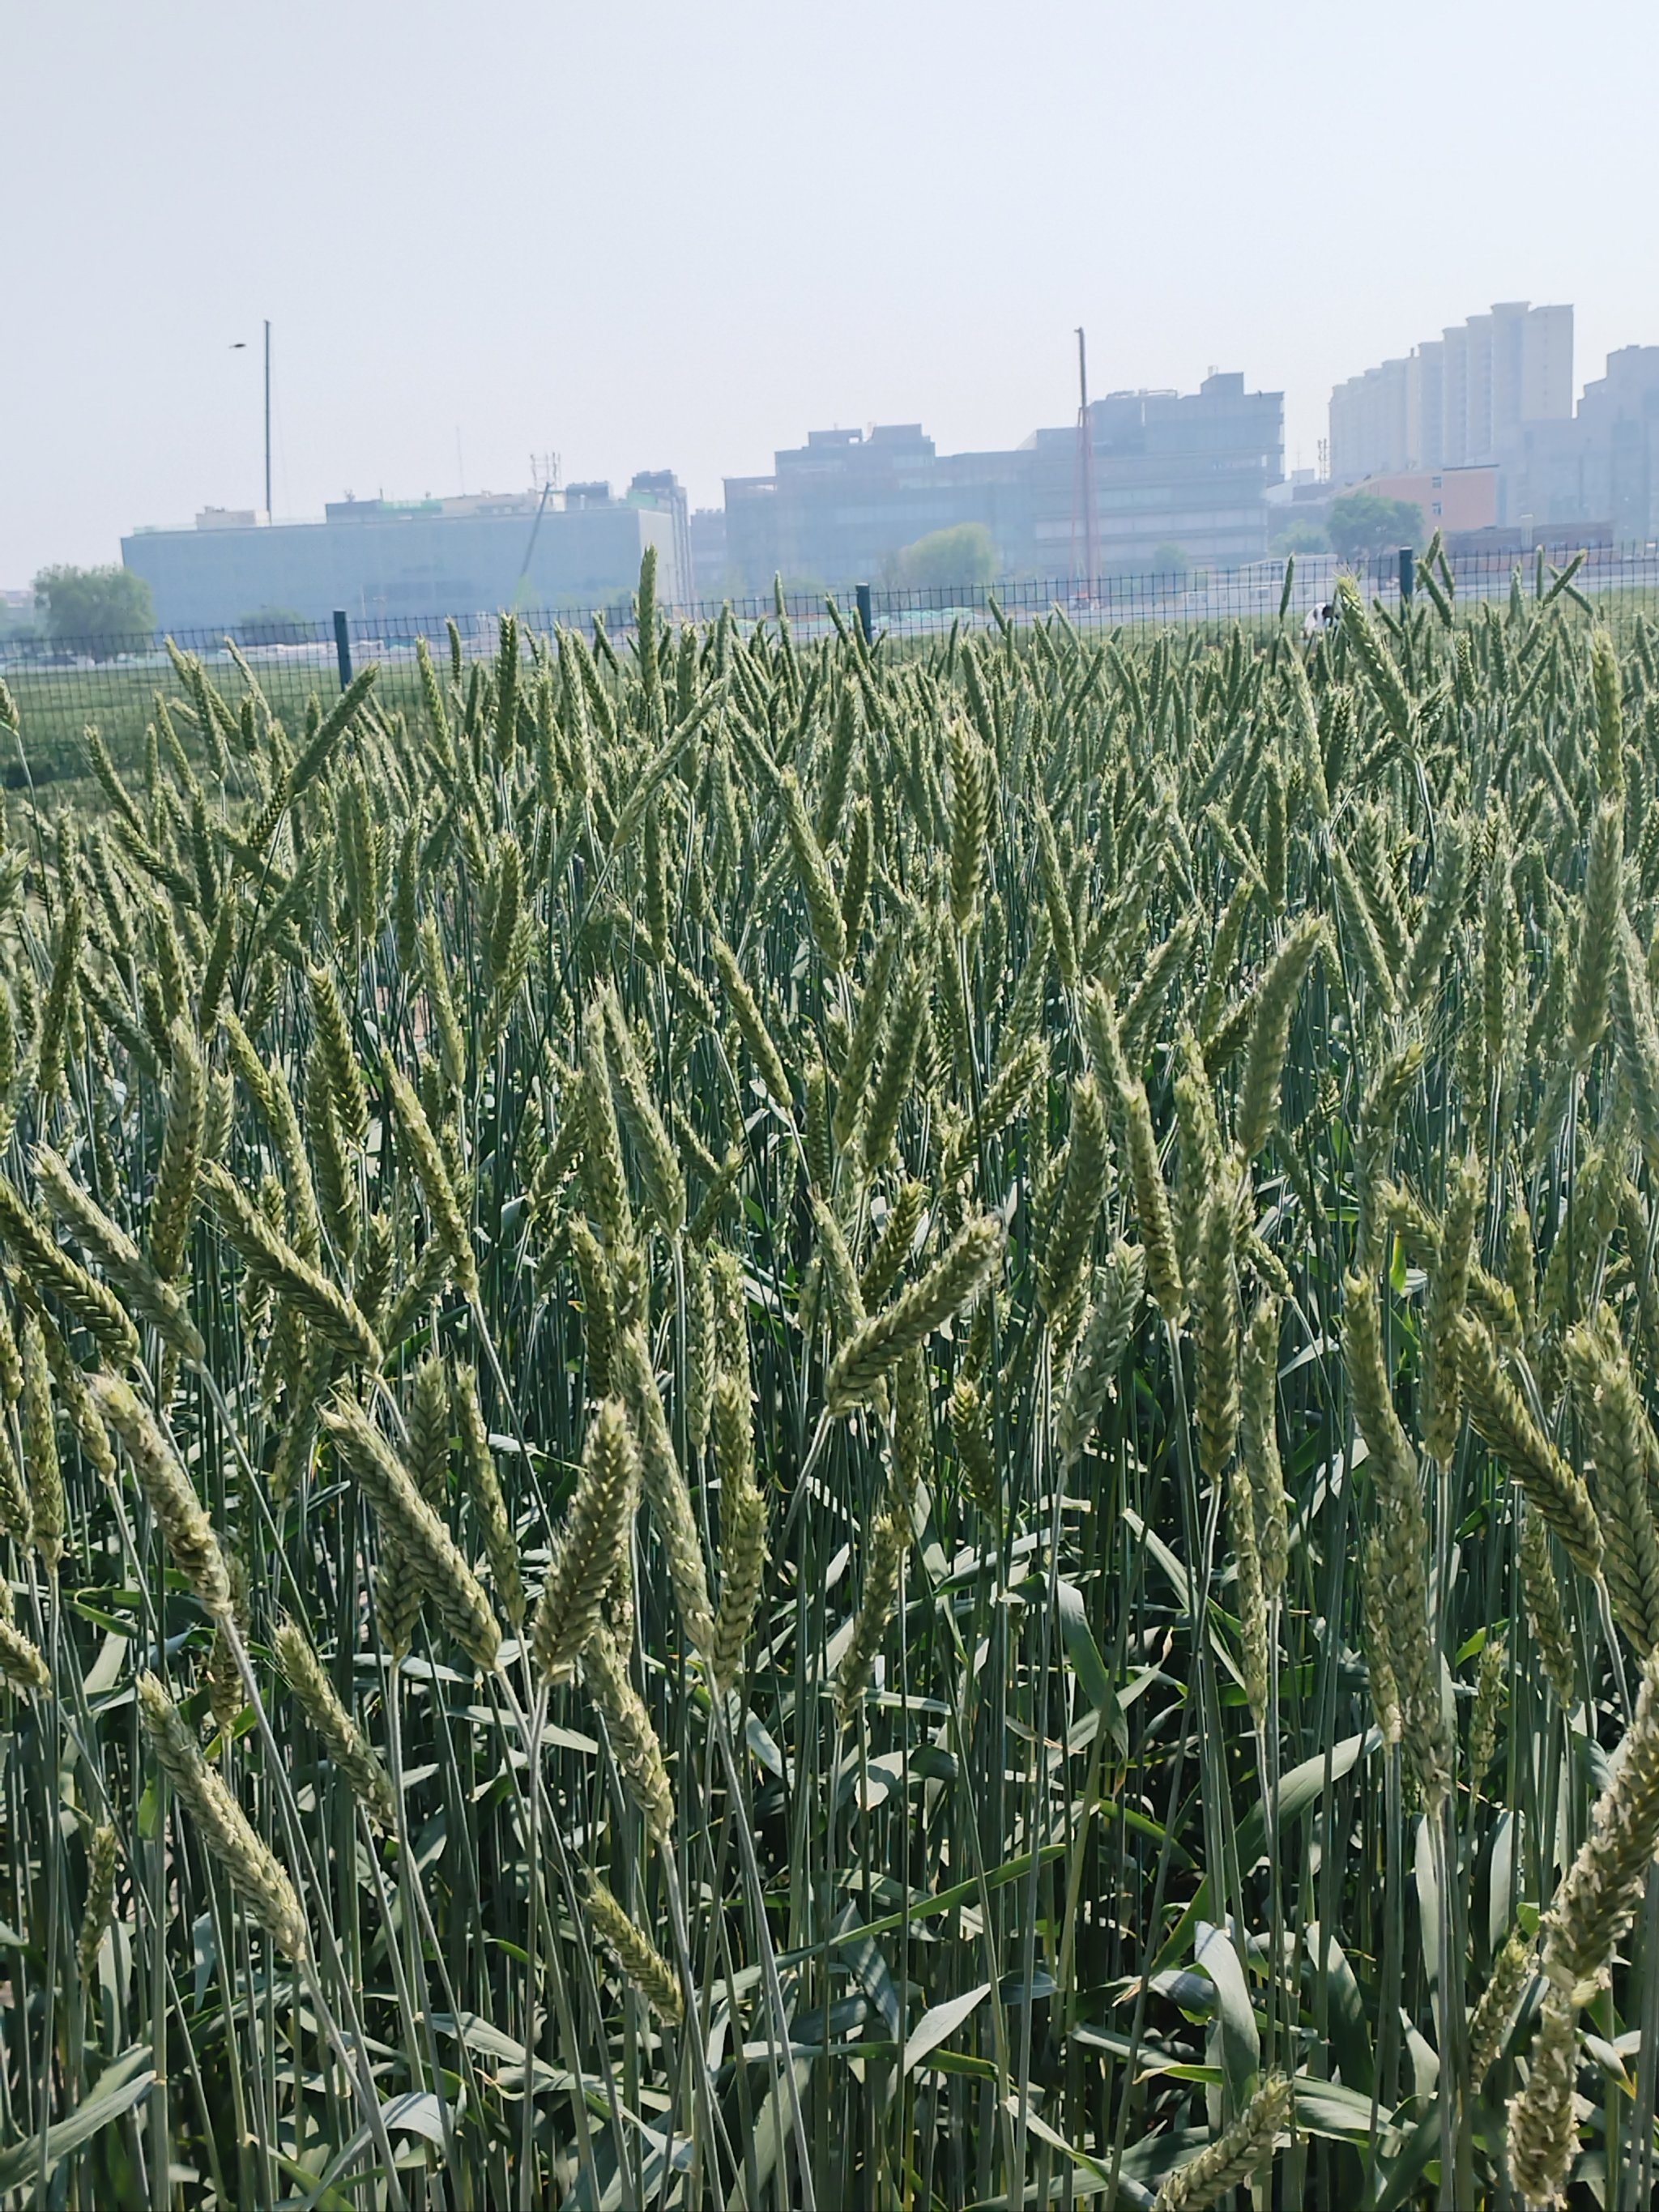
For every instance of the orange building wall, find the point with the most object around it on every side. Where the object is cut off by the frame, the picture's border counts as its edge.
(1451, 499)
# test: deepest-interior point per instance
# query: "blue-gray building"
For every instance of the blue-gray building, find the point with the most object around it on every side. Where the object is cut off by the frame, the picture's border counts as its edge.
(1602, 465)
(1172, 472)
(376, 558)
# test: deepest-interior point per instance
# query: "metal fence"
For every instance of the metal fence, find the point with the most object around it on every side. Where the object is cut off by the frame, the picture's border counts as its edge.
(63, 684)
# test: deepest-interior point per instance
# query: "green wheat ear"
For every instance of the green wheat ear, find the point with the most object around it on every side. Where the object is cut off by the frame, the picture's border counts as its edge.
(252, 1869)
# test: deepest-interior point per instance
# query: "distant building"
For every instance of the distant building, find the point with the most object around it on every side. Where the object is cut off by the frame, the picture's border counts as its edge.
(1459, 400)
(18, 613)
(1602, 465)
(374, 557)
(837, 509)
(710, 580)
(660, 492)
(1451, 499)
(1189, 470)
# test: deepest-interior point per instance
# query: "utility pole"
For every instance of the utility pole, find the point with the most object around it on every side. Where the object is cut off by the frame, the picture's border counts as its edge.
(267, 419)
(1083, 488)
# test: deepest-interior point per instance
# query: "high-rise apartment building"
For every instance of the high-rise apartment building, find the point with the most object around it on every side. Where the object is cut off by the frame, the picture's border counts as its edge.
(1459, 400)
(1601, 466)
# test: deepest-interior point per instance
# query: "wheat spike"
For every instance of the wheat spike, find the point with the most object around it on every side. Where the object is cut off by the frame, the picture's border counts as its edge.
(49, 1269)
(746, 1013)
(1120, 1286)
(883, 1340)
(181, 1153)
(1599, 1895)
(251, 1867)
(1545, 1610)
(345, 1078)
(155, 1300)
(1442, 909)
(634, 1740)
(99, 1910)
(493, 1521)
(970, 1431)
(889, 1542)
(1494, 2015)
(275, 1261)
(666, 1486)
(639, 1959)
(1259, 1442)
(1500, 1416)
(743, 1532)
(1449, 1291)
(169, 1493)
(1543, 2131)
(893, 1247)
(1215, 1315)
(823, 907)
(1598, 933)
(450, 1583)
(40, 1460)
(449, 1222)
(22, 1662)
(1403, 1540)
(590, 1547)
(864, 1039)
(1064, 1265)
(1269, 1037)
(347, 1746)
(885, 1098)
(1234, 2157)
(660, 1165)
(1621, 1460)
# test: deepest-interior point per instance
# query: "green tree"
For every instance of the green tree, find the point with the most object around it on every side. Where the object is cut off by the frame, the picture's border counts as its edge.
(964, 554)
(1301, 538)
(1170, 559)
(1360, 523)
(102, 608)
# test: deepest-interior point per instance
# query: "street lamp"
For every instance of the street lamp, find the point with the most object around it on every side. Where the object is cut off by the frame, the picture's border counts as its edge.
(240, 345)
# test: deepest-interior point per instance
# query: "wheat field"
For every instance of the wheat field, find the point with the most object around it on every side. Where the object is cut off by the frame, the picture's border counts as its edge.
(818, 1426)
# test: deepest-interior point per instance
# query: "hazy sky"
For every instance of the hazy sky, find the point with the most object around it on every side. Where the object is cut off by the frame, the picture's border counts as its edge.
(647, 236)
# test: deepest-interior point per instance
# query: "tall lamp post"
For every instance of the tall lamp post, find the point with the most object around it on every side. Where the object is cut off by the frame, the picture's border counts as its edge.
(240, 345)
(267, 418)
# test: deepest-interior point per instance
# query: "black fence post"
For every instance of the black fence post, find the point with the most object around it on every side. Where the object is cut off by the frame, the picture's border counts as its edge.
(342, 646)
(861, 594)
(1407, 575)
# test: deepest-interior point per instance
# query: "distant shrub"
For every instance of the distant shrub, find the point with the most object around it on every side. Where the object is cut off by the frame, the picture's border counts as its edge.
(101, 608)
(1361, 524)
(965, 553)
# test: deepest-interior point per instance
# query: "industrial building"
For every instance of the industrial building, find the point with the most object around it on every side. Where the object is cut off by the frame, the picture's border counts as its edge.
(574, 550)
(1171, 472)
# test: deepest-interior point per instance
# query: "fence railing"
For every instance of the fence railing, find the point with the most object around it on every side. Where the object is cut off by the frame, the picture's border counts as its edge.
(63, 684)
